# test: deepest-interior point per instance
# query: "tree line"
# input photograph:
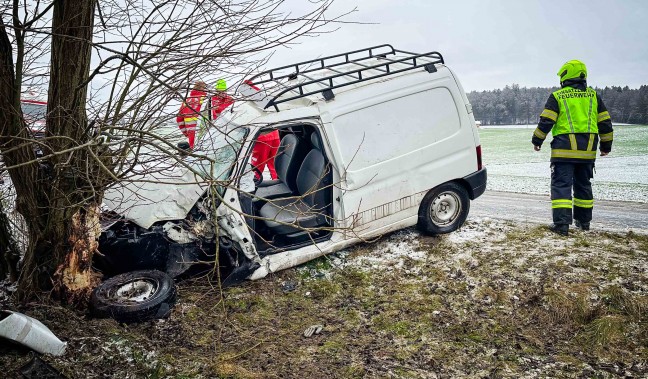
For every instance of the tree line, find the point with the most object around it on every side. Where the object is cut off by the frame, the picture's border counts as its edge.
(522, 105)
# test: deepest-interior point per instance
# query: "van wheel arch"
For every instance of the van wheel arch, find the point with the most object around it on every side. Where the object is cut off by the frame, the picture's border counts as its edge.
(444, 208)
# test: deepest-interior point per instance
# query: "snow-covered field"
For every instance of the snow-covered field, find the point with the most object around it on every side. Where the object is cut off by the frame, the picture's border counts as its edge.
(513, 166)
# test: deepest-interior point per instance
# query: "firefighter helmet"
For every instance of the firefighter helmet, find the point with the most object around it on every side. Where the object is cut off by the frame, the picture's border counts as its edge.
(572, 70)
(221, 85)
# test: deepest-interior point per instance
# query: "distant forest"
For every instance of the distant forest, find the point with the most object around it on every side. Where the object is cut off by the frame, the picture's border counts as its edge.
(515, 105)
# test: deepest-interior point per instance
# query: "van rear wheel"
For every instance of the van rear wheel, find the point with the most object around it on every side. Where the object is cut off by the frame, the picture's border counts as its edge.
(444, 209)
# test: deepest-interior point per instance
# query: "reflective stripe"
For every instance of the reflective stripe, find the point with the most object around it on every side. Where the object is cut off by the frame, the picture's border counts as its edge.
(589, 117)
(561, 203)
(603, 116)
(548, 113)
(571, 125)
(576, 154)
(189, 119)
(538, 133)
(590, 144)
(583, 203)
(572, 142)
(607, 137)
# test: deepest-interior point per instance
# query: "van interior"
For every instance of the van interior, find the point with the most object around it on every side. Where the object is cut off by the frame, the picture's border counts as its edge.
(296, 208)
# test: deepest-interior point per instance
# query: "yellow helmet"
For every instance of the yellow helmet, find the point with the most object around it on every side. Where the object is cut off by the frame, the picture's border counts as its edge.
(221, 85)
(571, 70)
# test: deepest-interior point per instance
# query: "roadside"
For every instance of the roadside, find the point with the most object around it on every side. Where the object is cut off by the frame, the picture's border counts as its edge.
(494, 299)
(617, 216)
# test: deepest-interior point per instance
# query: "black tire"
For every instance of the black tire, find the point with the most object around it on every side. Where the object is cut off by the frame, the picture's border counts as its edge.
(444, 209)
(134, 296)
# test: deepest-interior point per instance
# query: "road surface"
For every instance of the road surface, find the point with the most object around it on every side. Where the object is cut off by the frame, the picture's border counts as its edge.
(618, 216)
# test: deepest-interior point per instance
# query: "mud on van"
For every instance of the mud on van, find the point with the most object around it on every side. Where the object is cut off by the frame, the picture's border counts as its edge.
(372, 141)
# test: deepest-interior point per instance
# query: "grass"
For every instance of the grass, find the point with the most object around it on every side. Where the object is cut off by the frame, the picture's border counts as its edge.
(520, 303)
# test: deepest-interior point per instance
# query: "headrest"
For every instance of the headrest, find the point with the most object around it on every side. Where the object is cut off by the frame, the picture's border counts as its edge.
(315, 141)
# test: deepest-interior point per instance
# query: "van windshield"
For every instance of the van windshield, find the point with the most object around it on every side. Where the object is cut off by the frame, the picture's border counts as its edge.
(221, 148)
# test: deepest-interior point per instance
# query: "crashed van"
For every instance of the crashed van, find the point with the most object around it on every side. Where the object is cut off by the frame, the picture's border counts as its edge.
(372, 141)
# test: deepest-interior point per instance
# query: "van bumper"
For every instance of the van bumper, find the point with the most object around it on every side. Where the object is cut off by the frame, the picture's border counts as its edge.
(476, 183)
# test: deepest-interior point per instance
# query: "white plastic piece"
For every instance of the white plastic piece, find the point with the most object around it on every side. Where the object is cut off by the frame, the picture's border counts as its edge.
(30, 332)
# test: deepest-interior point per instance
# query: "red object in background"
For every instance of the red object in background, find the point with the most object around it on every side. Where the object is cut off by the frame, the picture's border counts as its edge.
(219, 102)
(188, 115)
(264, 152)
(34, 113)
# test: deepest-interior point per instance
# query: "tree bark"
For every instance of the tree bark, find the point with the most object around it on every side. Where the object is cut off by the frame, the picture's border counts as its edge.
(15, 149)
(64, 218)
(9, 252)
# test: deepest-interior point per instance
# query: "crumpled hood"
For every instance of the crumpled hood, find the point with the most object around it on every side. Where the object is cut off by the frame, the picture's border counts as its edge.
(147, 202)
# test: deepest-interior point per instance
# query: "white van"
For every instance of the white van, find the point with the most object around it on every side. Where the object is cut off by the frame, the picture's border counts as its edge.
(372, 141)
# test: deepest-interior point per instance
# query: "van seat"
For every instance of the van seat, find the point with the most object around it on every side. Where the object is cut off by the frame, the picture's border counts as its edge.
(308, 210)
(287, 162)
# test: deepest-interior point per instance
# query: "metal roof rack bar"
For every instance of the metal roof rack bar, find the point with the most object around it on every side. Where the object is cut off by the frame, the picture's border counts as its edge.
(272, 74)
(388, 67)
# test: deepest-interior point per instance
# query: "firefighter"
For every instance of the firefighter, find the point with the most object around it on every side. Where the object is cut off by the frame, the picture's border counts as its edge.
(578, 121)
(189, 112)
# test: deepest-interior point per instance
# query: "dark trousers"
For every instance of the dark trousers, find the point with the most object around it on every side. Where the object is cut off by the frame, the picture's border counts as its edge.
(564, 177)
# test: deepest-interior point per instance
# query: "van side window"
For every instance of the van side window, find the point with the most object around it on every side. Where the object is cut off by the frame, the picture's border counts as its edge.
(396, 128)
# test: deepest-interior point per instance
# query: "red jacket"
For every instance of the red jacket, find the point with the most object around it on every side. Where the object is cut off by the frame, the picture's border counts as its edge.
(190, 108)
(219, 102)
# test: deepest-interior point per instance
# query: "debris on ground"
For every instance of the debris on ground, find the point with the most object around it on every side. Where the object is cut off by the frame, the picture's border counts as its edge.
(314, 329)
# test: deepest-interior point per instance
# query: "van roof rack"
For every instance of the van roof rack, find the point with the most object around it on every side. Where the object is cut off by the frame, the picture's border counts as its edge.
(365, 72)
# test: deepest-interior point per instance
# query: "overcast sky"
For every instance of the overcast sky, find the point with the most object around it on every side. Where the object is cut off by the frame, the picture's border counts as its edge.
(492, 43)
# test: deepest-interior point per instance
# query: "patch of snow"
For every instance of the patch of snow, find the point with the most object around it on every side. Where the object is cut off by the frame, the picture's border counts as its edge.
(389, 254)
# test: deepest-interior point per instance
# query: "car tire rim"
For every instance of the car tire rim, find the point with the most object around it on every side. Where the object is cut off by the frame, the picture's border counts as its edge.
(445, 209)
(135, 291)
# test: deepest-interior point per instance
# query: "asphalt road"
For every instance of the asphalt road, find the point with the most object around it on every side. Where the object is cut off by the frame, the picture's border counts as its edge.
(615, 216)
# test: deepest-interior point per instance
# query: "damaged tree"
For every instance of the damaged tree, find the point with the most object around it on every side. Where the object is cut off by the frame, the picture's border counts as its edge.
(59, 199)
(123, 66)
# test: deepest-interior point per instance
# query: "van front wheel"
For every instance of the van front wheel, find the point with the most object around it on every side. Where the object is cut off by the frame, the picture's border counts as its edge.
(444, 209)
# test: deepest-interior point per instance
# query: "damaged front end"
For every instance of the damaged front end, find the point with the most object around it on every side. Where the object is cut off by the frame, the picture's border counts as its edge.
(181, 248)
(168, 217)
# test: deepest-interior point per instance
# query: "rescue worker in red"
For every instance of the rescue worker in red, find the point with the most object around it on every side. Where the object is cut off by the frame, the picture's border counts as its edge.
(578, 121)
(221, 99)
(189, 112)
(264, 151)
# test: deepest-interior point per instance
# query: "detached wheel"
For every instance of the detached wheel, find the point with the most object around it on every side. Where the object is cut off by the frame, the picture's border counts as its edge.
(444, 209)
(134, 296)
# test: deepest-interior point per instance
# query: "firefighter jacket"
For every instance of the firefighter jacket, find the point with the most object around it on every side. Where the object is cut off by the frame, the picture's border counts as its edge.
(577, 119)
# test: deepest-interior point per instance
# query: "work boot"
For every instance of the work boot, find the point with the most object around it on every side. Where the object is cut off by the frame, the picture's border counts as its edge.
(561, 229)
(582, 225)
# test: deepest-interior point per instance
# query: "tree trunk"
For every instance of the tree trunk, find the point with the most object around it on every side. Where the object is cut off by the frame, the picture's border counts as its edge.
(9, 252)
(63, 223)
(14, 147)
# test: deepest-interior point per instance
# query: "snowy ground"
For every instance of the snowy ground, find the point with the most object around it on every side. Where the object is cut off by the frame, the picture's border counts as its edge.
(513, 166)
(495, 299)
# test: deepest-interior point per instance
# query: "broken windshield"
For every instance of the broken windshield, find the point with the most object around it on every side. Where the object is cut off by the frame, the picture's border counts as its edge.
(163, 187)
